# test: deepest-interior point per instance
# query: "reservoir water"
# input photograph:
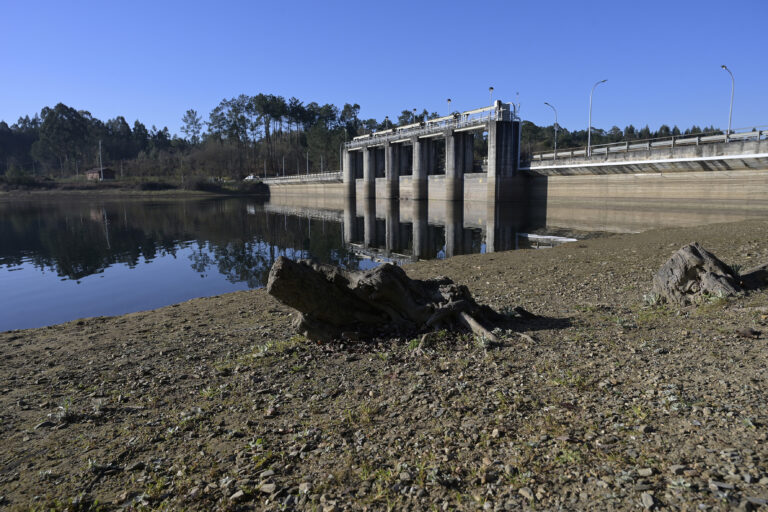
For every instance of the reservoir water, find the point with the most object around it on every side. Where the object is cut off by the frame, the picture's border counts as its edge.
(63, 259)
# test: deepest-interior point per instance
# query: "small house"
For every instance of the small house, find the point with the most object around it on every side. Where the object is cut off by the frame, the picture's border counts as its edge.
(96, 174)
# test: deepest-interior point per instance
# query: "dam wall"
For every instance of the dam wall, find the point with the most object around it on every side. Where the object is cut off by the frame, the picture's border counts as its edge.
(636, 202)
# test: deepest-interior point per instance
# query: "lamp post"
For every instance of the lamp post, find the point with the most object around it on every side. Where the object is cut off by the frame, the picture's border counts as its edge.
(553, 108)
(414, 115)
(490, 94)
(589, 126)
(730, 112)
(449, 105)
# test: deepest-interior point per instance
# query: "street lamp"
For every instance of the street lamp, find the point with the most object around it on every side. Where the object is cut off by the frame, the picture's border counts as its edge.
(449, 105)
(553, 108)
(490, 94)
(730, 112)
(414, 115)
(589, 127)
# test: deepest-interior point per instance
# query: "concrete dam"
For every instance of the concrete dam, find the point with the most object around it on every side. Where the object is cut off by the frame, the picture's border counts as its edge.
(621, 187)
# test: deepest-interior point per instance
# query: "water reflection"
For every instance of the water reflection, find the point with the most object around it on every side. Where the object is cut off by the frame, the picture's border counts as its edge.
(403, 231)
(61, 260)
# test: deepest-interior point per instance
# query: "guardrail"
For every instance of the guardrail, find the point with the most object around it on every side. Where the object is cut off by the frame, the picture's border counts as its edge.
(757, 133)
(300, 178)
(469, 119)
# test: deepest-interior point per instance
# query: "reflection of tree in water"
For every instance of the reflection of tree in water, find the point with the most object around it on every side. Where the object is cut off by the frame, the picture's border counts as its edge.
(200, 259)
(239, 261)
(79, 239)
(74, 240)
(249, 261)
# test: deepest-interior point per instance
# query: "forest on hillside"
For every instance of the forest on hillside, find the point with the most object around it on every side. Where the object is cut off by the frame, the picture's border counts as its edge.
(263, 134)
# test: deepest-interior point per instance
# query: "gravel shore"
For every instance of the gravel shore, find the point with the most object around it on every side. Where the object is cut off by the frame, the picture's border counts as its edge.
(605, 402)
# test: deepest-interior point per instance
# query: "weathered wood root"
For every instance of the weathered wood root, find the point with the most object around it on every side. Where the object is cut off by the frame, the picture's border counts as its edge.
(335, 303)
(693, 272)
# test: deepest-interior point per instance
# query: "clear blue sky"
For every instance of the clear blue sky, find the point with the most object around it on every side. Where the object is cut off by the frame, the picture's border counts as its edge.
(154, 60)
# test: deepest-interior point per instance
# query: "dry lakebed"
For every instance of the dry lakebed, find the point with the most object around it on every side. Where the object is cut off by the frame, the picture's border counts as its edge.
(608, 401)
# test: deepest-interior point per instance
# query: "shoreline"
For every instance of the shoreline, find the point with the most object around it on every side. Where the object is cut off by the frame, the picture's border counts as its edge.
(127, 193)
(214, 403)
(132, 189)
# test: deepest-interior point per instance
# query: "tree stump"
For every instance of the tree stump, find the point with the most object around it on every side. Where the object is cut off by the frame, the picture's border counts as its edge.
(691, 273)
(335, 303)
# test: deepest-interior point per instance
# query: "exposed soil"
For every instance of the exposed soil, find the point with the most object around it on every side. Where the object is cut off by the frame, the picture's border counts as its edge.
(607, 403)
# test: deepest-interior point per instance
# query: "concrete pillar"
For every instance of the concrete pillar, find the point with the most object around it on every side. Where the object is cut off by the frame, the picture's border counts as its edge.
(503, 154)
(503, 148)
(392, 170)
(369, 173)
(392, 225)
(369, 221)
(419, 166)
(454, 228)
(454, 166)
(350, 219)
(420, 228)
(348, 174)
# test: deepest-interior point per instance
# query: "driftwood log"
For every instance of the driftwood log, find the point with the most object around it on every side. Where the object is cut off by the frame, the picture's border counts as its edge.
(693, 272)
(335, 303)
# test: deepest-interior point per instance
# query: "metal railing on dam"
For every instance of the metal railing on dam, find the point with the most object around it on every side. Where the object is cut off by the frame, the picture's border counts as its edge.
(753, 134)
(313, 177)
(469, 120)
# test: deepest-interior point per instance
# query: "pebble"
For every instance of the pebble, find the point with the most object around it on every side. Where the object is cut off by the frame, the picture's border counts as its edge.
(647, 500)
(526, 493)
(238, 496)
(267, 488)
(715, 485)
(677, 469)
(304, 487)
(405, 477)
(645, 471)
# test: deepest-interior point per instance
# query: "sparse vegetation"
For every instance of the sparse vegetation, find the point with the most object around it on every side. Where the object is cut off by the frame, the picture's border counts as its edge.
(608, 396)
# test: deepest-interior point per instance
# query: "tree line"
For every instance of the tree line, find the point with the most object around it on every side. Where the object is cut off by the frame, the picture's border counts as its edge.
(261, 135)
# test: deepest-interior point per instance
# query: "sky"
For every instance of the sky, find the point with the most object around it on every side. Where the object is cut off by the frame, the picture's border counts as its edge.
(154, 60)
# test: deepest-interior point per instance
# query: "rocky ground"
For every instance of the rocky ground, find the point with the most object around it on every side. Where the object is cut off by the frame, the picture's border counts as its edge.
(606, 402)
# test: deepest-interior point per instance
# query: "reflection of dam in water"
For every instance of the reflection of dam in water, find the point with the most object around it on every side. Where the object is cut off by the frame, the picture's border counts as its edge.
(162, 252)
(403, 231)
